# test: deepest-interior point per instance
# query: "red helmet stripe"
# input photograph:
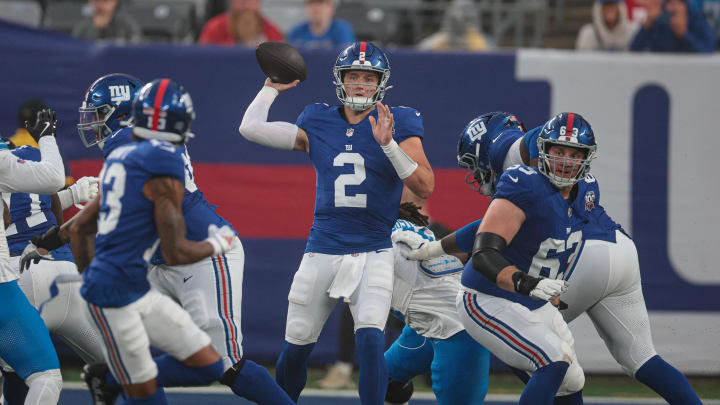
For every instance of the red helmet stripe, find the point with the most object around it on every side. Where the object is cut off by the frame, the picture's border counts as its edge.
(363, 49)
(158, 102)
(569, 127)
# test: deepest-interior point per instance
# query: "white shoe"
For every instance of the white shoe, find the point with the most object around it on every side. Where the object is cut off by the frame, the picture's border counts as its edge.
(339, 375)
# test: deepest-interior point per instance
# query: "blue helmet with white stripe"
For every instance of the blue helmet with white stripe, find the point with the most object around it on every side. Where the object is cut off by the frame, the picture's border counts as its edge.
(474, 148)
(106, 105)
(367, 57)
(570, 130)
(163, 110)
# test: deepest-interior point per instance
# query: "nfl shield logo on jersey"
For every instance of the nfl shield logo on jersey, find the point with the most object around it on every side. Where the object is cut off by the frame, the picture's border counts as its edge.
(349, 132)
(589, 200)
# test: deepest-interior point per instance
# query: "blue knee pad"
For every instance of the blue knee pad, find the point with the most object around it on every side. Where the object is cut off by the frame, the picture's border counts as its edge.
(409, 356)
(464, 384)
(291, 368)
(24, 339)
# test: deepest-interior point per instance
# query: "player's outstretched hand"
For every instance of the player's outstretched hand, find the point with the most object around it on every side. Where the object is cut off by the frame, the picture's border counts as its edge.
(221, 239)
(85, 189)
(280, 87)
(45, 125)
(420, 248)
(32, 254)
(547, 288)
(383, 127)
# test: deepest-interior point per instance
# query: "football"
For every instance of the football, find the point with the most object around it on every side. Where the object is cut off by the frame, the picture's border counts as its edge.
(281, 62)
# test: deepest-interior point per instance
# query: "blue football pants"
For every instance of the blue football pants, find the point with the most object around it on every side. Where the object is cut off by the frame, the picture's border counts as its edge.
(460, 366)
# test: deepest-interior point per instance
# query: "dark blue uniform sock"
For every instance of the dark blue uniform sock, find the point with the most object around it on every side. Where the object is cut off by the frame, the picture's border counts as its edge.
(522, 375)
(14, 388)
(255, 383)
(370, 344)
(291, 368)
(667, 381)
(543, 384)
(158, 398)
(172, 373)
(572, 399)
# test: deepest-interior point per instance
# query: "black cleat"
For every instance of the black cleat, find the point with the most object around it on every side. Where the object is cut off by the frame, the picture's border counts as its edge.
(94, 377)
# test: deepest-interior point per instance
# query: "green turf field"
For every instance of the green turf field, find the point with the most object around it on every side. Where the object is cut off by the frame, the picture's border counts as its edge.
(500, 383)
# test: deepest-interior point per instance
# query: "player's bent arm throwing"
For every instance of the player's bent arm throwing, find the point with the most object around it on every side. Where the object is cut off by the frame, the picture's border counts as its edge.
(166, 194)
(498, 228)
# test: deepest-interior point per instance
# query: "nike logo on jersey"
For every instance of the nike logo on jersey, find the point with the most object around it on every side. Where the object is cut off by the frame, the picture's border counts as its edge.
(185, 279)
(496, 138)
(381, 251)
(417, 113)
(514, 179)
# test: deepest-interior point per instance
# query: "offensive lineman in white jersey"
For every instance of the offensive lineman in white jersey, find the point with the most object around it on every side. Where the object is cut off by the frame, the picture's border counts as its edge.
(24, 339)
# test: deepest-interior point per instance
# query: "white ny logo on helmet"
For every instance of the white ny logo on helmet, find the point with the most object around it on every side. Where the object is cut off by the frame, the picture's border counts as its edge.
(119, 94)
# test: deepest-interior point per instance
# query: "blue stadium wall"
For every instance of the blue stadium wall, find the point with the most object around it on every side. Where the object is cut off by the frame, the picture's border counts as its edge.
(654, 118)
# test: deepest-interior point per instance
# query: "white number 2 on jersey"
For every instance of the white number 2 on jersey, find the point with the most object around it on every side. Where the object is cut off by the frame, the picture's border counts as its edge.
(350, 179)
(107, 223)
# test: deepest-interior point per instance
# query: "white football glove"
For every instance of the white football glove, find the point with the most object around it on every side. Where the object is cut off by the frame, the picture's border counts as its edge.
(548, 288)
(420, 248)
(85, 189)
(221, 239)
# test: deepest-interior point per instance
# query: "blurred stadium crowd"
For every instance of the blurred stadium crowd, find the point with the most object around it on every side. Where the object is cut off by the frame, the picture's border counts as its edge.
(454, 25)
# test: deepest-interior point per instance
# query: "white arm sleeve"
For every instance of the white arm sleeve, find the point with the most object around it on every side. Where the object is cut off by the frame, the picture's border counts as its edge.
(255, 128)
(23, 176)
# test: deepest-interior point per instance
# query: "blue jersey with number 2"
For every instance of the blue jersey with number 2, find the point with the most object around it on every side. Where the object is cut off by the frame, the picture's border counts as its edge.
(127, 236)
(358, 190)
(545, 242)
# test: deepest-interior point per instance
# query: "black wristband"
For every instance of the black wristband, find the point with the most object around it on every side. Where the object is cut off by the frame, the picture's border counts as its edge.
(50, 240)
(524, 283)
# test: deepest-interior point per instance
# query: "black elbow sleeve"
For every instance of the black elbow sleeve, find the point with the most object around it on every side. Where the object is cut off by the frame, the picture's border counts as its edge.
(487, 255)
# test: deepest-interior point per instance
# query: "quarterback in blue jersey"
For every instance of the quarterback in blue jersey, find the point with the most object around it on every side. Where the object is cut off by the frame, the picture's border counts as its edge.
(25, 343)
(363, 153)
(115, 236)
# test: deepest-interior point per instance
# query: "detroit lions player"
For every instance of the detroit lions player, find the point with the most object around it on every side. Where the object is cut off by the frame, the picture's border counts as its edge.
(141, 196)
(434, 338)
(31, 215)
(211, 289)
(363, 152)
(605, 279)
(24, 339)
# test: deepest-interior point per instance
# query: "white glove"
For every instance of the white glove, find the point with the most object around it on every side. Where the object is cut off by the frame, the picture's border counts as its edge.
(409, 238)
(221, 239)
(85, 189)
(548, 288)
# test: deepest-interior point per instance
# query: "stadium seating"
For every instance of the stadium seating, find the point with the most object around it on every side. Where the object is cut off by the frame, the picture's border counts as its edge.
(27, 12)
(165, 21)
(64, 16)
(370, 22)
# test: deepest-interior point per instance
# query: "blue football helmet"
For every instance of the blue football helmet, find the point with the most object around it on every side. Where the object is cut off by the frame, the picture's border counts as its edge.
(566, 129)
(362, 56)
(163, 110)
(107, 104)
(474, 148)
